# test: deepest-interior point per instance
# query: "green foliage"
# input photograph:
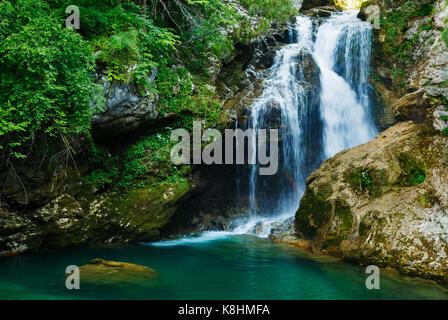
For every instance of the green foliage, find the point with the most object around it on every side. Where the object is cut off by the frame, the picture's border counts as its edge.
(395, 21)
(270, 9)
(147, 48)
(200, 25)
(414, 172)
(150, 156)
(366, 180)
(47, 83)
(46, 87)
(106, 171)
(445, 36)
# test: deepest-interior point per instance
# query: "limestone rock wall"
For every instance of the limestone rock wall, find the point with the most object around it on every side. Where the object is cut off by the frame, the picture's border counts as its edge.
(383, 203)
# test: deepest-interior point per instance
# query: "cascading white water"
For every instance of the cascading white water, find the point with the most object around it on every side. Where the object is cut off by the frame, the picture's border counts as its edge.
(283, 94)
(342, 51)
(317, 95)
(278, 107)
(310, 134)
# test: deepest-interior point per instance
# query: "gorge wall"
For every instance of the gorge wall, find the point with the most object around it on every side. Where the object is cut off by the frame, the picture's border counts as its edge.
(119, 185)
(385, 202)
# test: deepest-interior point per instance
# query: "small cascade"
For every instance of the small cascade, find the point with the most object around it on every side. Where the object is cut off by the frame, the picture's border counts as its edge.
(289, 103)
(342, 50)
(317, 95)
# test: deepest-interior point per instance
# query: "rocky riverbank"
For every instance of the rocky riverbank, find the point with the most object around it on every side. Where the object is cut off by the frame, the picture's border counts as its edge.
(385, 202)
(48, 204)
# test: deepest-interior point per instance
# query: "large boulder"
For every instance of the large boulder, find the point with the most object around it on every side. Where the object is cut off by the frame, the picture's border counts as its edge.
(412, 106)
(322, 12)
(309, 4)
(125, 109)
(383, 203)
(86, 217)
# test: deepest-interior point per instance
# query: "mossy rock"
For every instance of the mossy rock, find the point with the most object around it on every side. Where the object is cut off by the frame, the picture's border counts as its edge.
(343, 223)
(314, 213)
(138, 214)
(414, 171)
(366, 180)
(102, 272)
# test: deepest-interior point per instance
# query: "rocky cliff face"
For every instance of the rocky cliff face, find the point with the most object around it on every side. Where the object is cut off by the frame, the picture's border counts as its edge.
(410, 58)
(43, 207)
(125, 109)
(385, 202)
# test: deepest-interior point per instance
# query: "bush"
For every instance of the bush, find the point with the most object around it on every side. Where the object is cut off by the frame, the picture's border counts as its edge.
(46, 87)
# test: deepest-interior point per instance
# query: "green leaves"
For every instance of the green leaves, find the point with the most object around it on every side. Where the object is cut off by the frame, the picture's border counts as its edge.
(445, 36)
(46, 85)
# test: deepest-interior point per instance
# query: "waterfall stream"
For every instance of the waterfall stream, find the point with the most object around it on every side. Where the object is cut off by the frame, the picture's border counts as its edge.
(342, 51)
(317, 95)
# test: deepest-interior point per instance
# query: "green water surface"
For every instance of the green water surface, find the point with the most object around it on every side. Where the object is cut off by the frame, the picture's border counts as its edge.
(208, 267)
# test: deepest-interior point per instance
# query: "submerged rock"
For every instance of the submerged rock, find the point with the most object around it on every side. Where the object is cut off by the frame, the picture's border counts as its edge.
(102, 272)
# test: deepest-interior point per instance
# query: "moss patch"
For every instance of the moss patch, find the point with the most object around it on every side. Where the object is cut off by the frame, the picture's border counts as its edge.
(344, 222)
(314, 212)
(414, 172)
(428, 200)
(366, 180)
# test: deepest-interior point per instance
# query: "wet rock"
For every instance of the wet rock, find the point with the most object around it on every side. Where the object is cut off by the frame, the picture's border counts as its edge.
(383, 203)
(412, 106)
(102, 272)
(125, 110)
(309, 4)
(322, 12)
(364, 11)
(286, 233)
(18, 233)
(439, 123)
(382, 110)
(308, 70)
(240, 81)
(308, 76)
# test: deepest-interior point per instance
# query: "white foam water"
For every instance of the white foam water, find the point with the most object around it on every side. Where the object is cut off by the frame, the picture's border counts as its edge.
(342, 51)
(341, 48)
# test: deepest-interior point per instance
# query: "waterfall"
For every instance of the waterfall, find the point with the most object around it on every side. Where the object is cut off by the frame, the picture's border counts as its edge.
(342, 51)
(317, 95)
(286, 101)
